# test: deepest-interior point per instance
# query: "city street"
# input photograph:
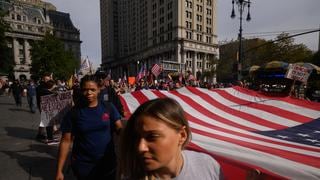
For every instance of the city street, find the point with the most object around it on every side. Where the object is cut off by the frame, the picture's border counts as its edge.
(21, 156)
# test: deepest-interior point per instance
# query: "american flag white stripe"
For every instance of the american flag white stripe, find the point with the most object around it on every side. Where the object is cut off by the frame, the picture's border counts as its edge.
(266, 108)
(285, 158)
(231, 117)
(279, 104)
(289, 114)
(256, 112)
(257, 142)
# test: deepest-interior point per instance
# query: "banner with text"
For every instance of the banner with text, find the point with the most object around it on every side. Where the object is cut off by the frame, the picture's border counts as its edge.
(54, 107)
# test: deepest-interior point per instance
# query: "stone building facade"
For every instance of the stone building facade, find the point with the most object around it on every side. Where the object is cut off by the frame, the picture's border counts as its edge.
(29, 21)
(180, 35)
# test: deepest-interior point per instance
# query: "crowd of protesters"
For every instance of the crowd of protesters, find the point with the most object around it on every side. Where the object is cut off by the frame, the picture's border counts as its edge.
(110, 91)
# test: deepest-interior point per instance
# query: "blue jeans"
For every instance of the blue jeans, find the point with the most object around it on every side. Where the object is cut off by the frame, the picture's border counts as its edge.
(32, 101)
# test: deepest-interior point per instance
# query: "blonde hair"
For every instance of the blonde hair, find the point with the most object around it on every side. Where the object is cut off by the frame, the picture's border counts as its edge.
(167, 110)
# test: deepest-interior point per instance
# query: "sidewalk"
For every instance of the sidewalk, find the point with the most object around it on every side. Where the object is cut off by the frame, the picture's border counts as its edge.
(21, 156)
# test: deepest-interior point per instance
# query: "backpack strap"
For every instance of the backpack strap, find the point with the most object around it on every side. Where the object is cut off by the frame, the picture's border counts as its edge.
(74, 117)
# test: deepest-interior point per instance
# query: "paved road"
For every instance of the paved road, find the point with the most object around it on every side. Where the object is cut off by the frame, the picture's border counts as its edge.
(21, 156)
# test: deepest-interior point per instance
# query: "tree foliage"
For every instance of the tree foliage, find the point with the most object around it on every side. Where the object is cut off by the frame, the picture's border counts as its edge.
(6, 60)
(258, 52)
(211, 72)
(49, 55)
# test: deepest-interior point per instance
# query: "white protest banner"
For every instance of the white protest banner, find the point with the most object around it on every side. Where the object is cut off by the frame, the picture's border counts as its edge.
(54, 107)
(297, 72)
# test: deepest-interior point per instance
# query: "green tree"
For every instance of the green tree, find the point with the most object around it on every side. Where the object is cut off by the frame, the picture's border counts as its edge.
(316, 58)
(49, 55)
(259, 52)
(286, 50)
(226, 70)
(6, 60)
(211, 72)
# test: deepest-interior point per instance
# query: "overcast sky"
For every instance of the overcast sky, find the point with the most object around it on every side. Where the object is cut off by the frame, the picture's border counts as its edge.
(267, 16)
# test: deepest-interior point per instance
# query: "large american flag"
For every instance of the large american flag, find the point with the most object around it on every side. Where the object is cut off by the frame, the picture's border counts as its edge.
(251, 135)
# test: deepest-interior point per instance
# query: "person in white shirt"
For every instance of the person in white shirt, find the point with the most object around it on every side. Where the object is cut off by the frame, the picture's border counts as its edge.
(152, 145)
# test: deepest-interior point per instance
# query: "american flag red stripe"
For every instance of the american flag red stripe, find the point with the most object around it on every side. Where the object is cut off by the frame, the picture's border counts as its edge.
(230, 124)
(249, 117)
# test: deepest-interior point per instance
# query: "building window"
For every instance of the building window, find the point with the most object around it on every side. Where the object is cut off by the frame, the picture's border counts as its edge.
(154, 33)
(199, 8)
(199, 64)
(161, 20)
(189, 34)
(12, 16)
(169, 36)
(170, 15)
(209, 21)
(170, 26)
(22, 61)
(154, 6)
(199, 37)
(161, 29)
(18, 17)
(189, 14)
(208, 39)
(189, 63)
(189, 55)
(170, 5)
(209, 11)
(188, 4)
(161, 39)
(208, 30)
(199, 27)
(209, 2)
(199, 18)
(188, 25)
(21, 53)
(161, 11)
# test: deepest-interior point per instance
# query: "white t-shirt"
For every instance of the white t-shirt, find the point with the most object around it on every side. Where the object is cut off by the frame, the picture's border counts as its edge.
(198, 166)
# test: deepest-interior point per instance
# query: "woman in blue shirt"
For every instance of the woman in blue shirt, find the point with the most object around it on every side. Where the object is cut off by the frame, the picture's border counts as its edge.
(89, 126)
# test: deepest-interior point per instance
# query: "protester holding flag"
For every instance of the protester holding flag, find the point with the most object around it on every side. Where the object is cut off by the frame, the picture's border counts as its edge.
(152, 145)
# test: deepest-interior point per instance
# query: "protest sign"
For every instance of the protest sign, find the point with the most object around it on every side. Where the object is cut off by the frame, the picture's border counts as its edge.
(54, 107)
(298, 73)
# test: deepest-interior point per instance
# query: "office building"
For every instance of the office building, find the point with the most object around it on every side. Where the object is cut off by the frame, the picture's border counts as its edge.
(179, 35)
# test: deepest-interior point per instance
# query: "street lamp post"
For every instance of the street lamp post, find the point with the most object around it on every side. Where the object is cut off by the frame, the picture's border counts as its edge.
(241, 6)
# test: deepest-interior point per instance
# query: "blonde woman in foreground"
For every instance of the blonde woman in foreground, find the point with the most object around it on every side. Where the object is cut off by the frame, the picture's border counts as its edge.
(153, 142)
